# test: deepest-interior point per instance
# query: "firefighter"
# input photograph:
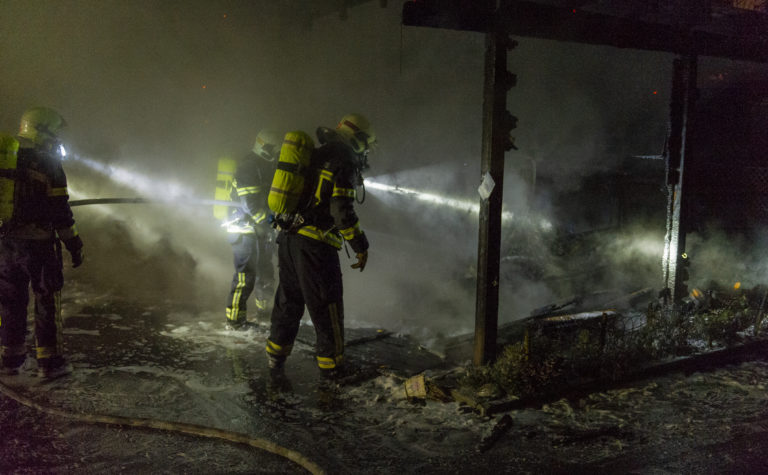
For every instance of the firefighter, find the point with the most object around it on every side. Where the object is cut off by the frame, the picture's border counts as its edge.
(30, 246)
(308, 260)
(249, 232)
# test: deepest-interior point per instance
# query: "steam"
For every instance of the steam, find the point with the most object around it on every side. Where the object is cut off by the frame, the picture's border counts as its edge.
(155, 94)
(721, 259)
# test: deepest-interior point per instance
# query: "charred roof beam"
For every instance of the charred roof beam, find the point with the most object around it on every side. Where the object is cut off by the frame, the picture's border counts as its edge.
(685, 27)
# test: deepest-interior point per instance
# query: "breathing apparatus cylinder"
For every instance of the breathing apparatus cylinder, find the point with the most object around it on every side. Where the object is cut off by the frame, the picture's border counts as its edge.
(224, 177)
(9, 148)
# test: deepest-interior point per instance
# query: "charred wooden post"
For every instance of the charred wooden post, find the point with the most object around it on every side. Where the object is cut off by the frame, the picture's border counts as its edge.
(495, 135)
(678, 150)
(685, 27)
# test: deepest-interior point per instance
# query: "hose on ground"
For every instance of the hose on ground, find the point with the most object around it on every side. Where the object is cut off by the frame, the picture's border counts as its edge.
(179, 427)
(192, 202)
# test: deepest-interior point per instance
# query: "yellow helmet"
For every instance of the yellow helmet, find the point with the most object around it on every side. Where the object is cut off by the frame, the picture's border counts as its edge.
(41, 125)
(357, 131)
(267, 145)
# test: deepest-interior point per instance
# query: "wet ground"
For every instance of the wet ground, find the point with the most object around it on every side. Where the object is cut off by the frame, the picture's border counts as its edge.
(173, 363)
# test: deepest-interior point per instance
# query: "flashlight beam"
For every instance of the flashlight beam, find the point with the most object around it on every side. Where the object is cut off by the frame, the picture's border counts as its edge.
(459, 205)
(138, 182)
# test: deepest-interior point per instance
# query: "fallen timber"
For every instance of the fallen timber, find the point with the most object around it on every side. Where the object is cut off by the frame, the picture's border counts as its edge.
(571, 319)
(702, 362)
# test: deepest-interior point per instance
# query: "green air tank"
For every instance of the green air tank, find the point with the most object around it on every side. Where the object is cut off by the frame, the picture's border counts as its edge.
(224, 177)
(9, 148)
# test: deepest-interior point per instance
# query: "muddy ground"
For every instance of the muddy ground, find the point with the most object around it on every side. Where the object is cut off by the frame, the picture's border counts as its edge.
(174, 362)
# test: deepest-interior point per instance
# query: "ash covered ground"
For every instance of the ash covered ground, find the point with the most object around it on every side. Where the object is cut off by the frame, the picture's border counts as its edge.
(144, 321)
(173, 361)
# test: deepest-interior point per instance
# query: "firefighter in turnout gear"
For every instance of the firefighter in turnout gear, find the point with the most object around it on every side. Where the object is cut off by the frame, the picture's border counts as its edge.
(30, 244)
(308, 260)
(249, 232)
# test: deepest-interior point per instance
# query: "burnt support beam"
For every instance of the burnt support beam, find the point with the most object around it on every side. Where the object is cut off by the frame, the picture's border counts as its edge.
(694, 27)
(675, 261)
(496, 126)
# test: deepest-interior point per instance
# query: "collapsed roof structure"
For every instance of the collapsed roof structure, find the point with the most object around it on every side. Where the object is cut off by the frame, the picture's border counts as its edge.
(730, 29)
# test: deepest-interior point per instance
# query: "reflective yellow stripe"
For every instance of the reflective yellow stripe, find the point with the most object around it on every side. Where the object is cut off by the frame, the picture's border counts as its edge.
(259, 217)
(326, 363)
(351, 232)
(234, 313)
(338, 335)
(49, 351)
(278, 350)
(325, 175)
(324, 236)
(248, 190)
(58, 191)
(46, 352)
(343, 192)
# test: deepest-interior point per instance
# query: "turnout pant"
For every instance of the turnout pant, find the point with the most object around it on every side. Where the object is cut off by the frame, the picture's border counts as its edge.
(253, 267)
(309, 274)
(36, 262)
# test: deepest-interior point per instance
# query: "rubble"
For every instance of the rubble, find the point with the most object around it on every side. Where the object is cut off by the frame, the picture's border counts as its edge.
(411, 411)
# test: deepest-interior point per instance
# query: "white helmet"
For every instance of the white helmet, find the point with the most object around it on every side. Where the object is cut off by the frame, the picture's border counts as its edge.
(267, 145)
(357, 131)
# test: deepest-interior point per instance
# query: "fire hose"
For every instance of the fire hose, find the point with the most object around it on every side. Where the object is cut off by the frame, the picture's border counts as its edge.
(179, 427)
(105, 201)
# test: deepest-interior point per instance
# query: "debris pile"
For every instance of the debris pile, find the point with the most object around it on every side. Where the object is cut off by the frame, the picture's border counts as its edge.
(563, 347)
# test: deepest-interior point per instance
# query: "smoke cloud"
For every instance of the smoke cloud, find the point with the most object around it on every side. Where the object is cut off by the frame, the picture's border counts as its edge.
(164, 89)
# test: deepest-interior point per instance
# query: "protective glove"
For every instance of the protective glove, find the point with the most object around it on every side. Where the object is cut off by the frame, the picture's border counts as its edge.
(362, 258)
(75, 247)
(77, 257)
